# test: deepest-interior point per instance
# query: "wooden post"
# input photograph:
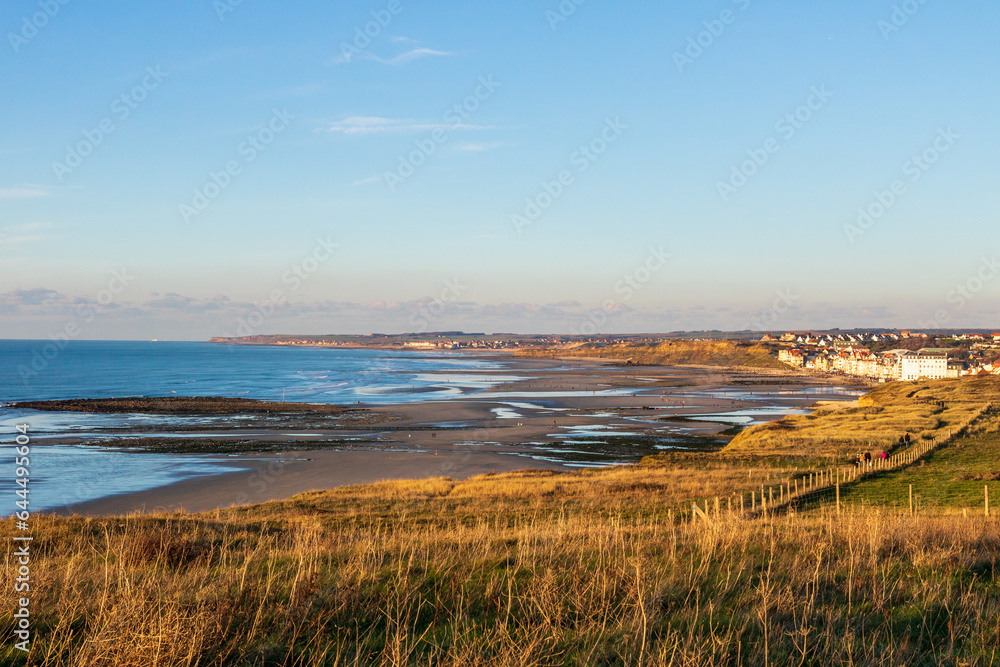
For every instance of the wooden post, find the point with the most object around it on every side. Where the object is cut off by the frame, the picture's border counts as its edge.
(770, 494)
(986, 491)
(911, 500)
(796, 482)
(838, 495)
(670, 515)
(753, 501)
(742, 508)
(781, 491)
(696, 512)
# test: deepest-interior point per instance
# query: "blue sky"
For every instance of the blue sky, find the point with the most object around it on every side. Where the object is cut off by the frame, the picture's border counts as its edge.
(650, 230)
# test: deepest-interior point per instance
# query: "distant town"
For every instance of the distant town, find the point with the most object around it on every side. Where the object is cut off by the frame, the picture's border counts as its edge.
(880, 356)
(910, 356)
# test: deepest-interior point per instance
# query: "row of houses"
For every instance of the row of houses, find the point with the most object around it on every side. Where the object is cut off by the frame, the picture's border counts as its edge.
(884, 366)
(840, 339)
(833, 340)
(982, 370)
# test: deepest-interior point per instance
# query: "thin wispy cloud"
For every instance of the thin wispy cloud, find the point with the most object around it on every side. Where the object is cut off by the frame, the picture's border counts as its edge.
(398, 59)
(26, 233)
(363, 125)
(474, 147)
(367, 181)
(411, 55)
(23, 192)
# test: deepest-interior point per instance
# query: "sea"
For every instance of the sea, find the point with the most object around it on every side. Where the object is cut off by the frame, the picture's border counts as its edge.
(41, 370)
(64, 475)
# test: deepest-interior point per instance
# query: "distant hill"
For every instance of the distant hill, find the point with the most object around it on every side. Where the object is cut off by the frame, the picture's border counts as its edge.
(673, 353)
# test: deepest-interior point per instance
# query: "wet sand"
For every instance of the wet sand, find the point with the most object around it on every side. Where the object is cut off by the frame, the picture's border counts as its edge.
(277, 478)
(516, 425)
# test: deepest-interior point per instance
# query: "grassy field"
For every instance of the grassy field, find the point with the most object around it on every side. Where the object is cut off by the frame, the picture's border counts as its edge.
(441, 573)
(951, 477)
(597, 567)
(676, 353)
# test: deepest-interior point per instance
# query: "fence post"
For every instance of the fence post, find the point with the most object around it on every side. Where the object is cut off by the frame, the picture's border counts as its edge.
(753, 501)
(770, 493)
(742, 507)
(986, 491)
(838, 495)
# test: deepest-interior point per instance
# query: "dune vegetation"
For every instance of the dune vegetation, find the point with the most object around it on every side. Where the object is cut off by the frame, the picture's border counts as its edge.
(929, 410)
(673, 353)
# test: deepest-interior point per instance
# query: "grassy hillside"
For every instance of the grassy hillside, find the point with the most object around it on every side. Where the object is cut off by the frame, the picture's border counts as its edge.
(518, 569)
(929, 410)
(676, 353)
(951, 477)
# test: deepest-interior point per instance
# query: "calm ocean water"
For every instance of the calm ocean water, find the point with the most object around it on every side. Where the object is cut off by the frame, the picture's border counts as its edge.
(62, 475)
(98, 369)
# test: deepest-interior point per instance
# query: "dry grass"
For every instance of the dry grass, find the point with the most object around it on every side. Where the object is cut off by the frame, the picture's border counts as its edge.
(510, 570)
(929, 410)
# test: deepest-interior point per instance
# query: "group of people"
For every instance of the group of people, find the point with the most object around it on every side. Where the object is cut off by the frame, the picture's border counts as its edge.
(866, 459)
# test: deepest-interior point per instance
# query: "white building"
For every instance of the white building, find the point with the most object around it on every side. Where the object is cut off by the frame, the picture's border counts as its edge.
(922, 364)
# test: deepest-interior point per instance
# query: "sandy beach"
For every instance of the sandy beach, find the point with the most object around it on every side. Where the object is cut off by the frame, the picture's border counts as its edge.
(275, 478)
(557, 414)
